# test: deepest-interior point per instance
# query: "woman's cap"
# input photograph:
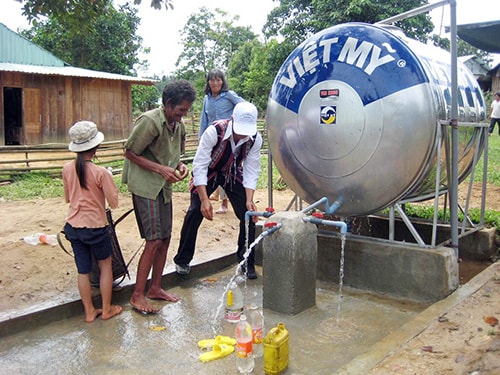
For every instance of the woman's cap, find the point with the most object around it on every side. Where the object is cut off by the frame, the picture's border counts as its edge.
(245, 119)
(84, 136)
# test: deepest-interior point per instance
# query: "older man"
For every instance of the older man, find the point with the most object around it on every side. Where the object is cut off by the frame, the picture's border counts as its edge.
(152, 165)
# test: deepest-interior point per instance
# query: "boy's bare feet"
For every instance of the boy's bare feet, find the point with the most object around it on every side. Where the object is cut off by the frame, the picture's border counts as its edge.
(113, 311)
(92, 315)
(161, 294)
(143, 306)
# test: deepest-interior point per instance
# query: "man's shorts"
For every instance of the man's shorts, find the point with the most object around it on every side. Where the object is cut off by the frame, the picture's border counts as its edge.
(87, 242)
(154, 217)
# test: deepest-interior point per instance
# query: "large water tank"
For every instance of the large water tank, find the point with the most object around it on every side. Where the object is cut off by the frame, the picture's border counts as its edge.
(353, 115)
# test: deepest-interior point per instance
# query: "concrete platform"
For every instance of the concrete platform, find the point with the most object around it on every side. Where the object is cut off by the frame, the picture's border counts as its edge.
(347, 335)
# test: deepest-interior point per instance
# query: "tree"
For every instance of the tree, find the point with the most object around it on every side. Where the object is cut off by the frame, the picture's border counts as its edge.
(109, 42)
(33, 9)
(296, 20)
(253, 68)
(210, 40)
(463, 48)
(144, 98)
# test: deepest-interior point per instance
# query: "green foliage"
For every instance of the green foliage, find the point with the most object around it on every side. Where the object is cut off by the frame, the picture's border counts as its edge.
(210, 41)
(144, 98)
(463, 48)
(57, 9)
(296, 20)
(247, 77)
(92, 35)
(253, 68)
(33, 9)
(491, 218)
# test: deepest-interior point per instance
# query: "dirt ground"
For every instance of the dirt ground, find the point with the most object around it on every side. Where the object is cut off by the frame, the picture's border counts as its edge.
(30, 275)
(462, 343)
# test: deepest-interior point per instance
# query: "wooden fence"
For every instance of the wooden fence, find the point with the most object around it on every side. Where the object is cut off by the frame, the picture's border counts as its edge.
(51, 157)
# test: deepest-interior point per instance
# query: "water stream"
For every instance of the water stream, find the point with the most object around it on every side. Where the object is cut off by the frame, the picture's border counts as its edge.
(341, 273)
(238, 273)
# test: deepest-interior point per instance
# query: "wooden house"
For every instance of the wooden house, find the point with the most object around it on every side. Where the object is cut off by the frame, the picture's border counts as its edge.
(41, 96)
(495, 78)
(479, 69)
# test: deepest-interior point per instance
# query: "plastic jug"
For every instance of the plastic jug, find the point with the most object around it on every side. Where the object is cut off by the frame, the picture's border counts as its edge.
(276, 350)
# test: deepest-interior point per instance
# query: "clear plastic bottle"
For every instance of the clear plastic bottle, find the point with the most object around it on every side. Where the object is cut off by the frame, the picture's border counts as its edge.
(234, 303)
(244, 352)
(256, 320)
(41, 238)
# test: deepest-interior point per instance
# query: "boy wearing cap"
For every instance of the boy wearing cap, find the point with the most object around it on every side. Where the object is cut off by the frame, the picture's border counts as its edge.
(87, 187)
(151, 166)
(229, 156)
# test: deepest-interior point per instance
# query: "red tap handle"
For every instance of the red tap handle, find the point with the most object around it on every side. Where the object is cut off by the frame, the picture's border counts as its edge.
(270, 224)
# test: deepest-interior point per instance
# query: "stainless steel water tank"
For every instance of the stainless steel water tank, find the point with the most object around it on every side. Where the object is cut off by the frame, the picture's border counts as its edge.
(353, 116)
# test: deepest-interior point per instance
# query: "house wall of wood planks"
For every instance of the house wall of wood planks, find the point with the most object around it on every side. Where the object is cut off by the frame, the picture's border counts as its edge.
(50, 104)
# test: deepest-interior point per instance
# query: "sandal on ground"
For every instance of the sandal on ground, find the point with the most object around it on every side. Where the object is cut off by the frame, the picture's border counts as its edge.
(221, 210)
(218, 351)
(218, 340)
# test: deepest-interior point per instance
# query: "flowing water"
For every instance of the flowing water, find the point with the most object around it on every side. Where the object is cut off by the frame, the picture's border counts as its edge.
(341, 274)
(237, 277)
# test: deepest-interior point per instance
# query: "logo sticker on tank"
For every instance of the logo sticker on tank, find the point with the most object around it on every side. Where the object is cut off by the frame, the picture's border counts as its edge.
(328, 115)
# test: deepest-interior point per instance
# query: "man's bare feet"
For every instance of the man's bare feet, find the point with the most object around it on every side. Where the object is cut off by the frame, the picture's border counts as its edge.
(161, 294)
(113, 311)
(92, 315)
(143, 306)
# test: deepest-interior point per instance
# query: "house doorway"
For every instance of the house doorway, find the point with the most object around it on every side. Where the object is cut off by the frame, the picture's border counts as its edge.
(13, 115)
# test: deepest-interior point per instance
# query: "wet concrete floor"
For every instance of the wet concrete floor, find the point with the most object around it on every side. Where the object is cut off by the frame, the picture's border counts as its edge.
(323, 338)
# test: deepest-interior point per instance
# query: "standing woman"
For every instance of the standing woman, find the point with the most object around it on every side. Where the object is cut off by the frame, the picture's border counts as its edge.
(87, 187)
(218, 104)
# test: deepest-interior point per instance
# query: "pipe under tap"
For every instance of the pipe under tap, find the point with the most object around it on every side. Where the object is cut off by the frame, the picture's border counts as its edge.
(267, 213)
(317, 219)
(329, 210)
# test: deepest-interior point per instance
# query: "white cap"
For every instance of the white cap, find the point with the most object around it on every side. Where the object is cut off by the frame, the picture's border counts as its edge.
(245, 119)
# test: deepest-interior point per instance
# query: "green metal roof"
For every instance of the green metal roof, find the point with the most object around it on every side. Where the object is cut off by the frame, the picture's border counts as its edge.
(18, 54)
(16, 49)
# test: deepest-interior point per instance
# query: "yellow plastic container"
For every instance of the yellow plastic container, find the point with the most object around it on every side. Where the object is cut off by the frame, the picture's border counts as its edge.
(276, 350)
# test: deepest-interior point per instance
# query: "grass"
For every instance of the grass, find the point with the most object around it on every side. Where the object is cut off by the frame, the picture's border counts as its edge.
(493, 161)
(44, 185)
(492, 217)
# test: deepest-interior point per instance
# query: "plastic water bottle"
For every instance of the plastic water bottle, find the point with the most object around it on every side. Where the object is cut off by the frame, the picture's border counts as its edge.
(256, 321)
(41, 238)
(234, 303)
(244, 352)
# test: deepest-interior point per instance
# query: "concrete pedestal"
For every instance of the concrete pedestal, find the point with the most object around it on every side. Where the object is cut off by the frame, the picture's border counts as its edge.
(290, 265)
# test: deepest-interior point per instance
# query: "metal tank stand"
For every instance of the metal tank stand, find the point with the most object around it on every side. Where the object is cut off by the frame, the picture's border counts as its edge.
(441, 196)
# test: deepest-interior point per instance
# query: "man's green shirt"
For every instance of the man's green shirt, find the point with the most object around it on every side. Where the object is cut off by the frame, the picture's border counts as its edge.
(152, 138)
